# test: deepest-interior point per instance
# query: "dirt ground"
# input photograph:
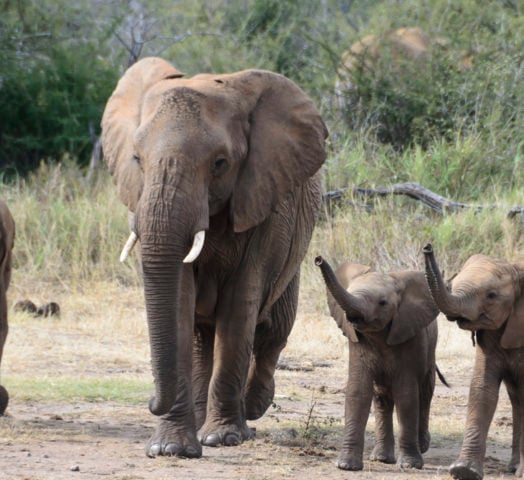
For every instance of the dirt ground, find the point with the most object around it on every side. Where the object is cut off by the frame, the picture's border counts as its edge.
(297, 438)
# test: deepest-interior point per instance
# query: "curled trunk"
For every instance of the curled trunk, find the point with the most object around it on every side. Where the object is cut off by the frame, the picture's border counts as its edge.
(447, 303)
(351, 305)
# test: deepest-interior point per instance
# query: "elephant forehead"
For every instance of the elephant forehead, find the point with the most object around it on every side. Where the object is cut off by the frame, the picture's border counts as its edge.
(374, 283)
(484, 273)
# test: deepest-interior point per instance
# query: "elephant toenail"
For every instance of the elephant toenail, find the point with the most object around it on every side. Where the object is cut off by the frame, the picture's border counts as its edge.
(171, 449)
(231, 440)
(154, 450)
(212, 440)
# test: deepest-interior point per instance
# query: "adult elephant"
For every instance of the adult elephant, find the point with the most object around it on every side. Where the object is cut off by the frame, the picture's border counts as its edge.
(234, 159)
(390, 322)
(7, 236)
(487, 298)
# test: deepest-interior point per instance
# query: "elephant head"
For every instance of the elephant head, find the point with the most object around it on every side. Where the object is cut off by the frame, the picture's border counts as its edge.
(484, 295)
(369, 302)
(187, 153)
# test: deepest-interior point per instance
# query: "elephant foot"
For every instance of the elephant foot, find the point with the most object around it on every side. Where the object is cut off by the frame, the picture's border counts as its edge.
(513, 466)
(466, 470)
(168, 440)
(410, 460)
(382, 454)
(213, 435)
(259, 397)
(518, 471)
(424, 441)
(4, 399)
(349, 462)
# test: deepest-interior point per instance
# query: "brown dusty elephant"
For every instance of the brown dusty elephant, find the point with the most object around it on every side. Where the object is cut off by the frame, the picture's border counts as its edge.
(7, 236)
(402, 43)
(389, 319)
(486, 297)
(225, 167)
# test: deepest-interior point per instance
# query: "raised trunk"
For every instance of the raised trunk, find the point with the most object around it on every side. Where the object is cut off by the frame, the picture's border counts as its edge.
(447, 303)
(349, 303)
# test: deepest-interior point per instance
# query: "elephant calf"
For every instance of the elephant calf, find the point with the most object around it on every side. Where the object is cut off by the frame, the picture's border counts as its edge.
(487, 299)
(7, 235)
(389, 319)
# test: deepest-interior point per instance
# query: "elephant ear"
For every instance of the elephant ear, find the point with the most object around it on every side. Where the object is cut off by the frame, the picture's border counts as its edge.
(286, 145)
(121, 119)
(513, 336)
(416, 309)
(346, 273)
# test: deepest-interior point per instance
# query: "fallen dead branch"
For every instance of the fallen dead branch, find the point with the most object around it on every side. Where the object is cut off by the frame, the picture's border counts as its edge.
(413, 190)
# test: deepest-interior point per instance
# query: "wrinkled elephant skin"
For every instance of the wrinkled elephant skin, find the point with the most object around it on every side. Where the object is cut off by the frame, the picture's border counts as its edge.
(390, 321)
(486, 297)
(220, 174)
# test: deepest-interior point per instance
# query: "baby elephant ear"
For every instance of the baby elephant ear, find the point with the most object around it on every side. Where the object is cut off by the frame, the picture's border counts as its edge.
(513, 336)
(346, 273)
(416, 309)
(285, 144)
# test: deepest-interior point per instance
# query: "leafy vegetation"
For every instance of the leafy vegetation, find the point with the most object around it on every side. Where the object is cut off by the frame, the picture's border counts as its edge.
(456, 131)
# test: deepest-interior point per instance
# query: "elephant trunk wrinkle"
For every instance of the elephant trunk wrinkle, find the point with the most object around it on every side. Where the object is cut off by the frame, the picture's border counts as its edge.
(349, 303)
(446, 302)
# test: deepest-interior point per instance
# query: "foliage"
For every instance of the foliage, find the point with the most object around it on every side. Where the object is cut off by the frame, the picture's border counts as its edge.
(53, 85)
(408, 102)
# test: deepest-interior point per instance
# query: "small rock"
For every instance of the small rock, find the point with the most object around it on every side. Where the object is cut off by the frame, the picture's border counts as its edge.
(75, 468)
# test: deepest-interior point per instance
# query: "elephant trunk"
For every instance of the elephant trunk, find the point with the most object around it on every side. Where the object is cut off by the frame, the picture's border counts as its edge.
(165, 237)
(448, 304)
(349, 303)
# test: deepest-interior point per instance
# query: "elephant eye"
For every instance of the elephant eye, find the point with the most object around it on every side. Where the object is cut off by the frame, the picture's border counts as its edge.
(136, 158)
(491, 295)
(382, 302)
(219, 166)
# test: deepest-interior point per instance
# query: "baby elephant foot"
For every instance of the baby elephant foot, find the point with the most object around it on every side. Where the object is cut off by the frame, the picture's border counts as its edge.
(466, 470)
(382, 454)
(410, 461)
(349, 462)
(170, 442)
(231, 435)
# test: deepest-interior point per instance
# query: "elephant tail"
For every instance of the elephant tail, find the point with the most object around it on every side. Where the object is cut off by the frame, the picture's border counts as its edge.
(442, 378)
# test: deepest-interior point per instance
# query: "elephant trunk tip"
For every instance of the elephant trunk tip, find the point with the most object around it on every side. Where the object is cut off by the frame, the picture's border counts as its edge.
(428, 248)
(319, 261)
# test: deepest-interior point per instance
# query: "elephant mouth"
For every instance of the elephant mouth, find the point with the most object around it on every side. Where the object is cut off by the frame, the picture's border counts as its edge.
(357, 323)
(462, 322)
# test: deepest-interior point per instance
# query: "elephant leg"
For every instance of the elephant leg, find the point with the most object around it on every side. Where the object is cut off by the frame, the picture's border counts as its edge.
(406, 394)
(4, 281)
(202, 369)
(269, 342)
(426, 395)
(384, 450)
(483, 398)
(175, 434)
(515, 443)
(359, 393)
(225, 422)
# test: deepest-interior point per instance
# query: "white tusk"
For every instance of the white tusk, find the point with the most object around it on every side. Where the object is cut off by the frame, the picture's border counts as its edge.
(198, 243)
(131, 242)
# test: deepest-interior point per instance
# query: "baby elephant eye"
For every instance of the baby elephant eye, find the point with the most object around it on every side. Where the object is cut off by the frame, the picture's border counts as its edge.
(382, 302)
(491, 295)
(219, 166)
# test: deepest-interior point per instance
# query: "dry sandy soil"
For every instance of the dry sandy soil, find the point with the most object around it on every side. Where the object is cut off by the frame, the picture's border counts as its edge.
(101, 334)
